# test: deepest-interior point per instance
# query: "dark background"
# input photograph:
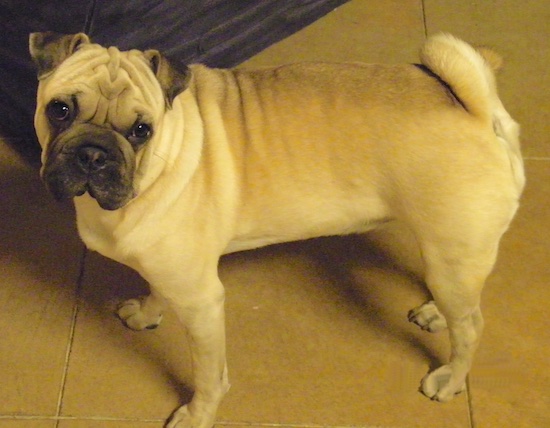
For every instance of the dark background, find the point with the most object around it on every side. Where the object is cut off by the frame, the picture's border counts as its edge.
(219, 33)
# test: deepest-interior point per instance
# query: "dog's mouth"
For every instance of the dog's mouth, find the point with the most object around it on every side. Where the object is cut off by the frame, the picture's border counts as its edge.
(109, 200)
(101, 167)
(109, 195)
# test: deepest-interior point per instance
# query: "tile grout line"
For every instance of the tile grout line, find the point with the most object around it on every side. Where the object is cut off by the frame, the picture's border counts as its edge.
(71, 336)
(75, 418)
(153, 420)
(424, 24)
(471, 418)
(291, 425)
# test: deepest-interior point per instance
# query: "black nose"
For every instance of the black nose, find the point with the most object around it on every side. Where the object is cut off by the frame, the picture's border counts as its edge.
(91, 158)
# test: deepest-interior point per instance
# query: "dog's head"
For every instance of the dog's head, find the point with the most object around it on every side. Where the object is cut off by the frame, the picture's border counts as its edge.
(97, 108)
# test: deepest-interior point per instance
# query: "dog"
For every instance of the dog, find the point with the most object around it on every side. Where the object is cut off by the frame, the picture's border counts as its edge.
(172, 166)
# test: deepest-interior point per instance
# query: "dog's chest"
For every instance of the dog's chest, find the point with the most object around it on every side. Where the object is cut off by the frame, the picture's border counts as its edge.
(100, 231)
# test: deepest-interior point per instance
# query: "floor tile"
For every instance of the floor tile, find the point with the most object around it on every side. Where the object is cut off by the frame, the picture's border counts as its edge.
(520, 32)
(510, 380)
(39, 260)
(317, 333)
(312, 338)
(383, 31)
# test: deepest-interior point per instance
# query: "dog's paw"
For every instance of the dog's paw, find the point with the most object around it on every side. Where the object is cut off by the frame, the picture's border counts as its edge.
(131, 314)
(441, 385)
(428, 317)
(182, 418)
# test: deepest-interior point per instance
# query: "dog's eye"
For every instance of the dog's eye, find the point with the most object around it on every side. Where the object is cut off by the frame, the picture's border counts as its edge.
(141, 130)
(139, 133)
(59, 111)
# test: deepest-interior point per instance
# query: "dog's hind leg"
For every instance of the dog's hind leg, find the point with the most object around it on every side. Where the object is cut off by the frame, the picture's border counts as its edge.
(142, 313)
(455, 274)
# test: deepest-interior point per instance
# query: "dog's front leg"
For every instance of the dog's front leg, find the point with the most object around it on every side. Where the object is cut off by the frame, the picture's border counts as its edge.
(202, 313)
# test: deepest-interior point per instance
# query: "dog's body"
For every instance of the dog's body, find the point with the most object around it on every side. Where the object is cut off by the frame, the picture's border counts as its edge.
(243, 159)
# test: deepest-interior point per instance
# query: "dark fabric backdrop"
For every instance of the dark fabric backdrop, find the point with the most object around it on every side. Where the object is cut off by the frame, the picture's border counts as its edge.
(220, 33)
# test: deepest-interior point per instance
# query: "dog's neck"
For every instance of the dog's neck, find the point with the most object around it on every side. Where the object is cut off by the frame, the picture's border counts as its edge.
(174, 157)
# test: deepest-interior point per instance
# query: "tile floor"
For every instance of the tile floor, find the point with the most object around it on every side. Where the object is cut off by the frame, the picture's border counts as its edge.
(317, 330)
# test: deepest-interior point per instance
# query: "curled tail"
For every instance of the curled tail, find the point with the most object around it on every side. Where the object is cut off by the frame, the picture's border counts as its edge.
(464, 69)
(470, 73)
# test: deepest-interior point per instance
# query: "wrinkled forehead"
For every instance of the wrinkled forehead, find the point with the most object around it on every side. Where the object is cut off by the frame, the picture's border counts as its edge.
(109, 78)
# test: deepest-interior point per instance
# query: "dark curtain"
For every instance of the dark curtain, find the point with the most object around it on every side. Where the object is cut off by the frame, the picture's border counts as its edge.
(220, 33)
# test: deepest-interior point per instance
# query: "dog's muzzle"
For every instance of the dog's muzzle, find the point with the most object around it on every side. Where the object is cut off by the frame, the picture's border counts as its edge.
(93, 159)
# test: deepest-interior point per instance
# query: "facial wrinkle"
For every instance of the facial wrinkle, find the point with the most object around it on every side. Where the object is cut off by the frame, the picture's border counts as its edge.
(113, 81)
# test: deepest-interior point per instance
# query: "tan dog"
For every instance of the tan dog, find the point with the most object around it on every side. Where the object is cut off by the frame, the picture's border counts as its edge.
(171, 168)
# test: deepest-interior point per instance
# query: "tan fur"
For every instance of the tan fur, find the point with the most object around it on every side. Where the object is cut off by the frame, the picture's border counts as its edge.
(247, 158)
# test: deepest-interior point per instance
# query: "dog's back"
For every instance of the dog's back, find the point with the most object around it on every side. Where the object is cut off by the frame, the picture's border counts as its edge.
(325, 149)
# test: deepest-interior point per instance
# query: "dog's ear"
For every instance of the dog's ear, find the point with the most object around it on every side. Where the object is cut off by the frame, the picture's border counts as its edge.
(173, 78)
(50, 49)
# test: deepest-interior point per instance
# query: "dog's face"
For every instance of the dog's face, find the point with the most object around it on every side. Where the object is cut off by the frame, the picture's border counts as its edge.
(97, 110)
